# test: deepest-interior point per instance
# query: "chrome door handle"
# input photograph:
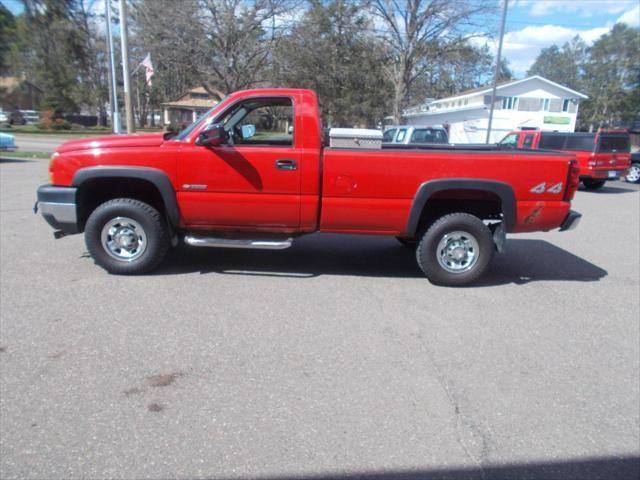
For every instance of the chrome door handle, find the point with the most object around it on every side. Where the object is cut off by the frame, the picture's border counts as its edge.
(286, 164)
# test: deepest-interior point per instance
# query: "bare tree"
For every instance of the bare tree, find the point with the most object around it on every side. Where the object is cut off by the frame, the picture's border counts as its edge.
(239, 38)
(419, 30)
(172, 39)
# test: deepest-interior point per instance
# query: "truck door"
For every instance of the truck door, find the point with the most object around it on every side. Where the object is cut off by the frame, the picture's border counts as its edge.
(250, 181)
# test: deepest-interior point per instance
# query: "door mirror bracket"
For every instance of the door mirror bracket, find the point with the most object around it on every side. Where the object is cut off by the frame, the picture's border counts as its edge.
(212, 136)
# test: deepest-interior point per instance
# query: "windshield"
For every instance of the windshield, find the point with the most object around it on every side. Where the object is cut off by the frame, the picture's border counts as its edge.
(185, 133)
(388, 135)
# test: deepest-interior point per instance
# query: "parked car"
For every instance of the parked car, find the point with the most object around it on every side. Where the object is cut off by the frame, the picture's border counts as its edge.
(602, 155)
(30, 116)
(17, 118)
(406, 134)
(4, 117)
(7, 142)
(633, 174)
(237, 179)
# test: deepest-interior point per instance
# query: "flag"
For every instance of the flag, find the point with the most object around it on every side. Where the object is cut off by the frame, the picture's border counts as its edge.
(148, 68)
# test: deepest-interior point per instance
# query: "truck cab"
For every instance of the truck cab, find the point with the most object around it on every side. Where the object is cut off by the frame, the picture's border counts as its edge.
(602, 155)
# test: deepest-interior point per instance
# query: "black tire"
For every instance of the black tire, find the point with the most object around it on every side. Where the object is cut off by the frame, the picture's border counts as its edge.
(408, 242)
(591, 184)
(154, 231)
(633, 175)
(427, 253)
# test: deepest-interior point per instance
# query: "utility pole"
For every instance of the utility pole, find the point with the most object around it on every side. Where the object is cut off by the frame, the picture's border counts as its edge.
(128, 104)
(497, 71)
(113, 91)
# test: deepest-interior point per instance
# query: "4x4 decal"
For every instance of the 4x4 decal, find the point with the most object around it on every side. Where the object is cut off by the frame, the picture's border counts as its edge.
(542, 187)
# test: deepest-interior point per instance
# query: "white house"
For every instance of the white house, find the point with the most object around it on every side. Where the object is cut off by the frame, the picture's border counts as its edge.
(533, 102)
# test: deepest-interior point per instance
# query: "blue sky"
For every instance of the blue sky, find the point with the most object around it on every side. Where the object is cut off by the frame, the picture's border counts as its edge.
(535, 24)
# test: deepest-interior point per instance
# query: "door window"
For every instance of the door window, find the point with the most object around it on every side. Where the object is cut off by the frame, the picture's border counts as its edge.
(260, 122)
(401, 134)
(510, 140)
(528, 141)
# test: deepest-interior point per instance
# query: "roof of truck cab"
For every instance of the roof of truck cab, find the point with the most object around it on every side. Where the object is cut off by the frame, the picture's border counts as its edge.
(273, 91)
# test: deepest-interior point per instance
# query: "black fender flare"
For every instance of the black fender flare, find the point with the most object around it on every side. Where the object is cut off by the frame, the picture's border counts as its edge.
(154, 176)
(427, 189)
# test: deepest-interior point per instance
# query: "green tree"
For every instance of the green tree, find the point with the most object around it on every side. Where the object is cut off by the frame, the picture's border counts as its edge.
(333, 51)
(57, 46)
(562, 65)
(7, 33)
(612, 78)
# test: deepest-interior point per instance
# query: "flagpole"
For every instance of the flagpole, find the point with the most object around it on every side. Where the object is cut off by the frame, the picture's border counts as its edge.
(115, 114)
(497, 71)
(128, 103)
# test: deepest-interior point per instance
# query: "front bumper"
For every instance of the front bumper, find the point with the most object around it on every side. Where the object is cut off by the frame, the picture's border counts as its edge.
(571, 222)
(58, 207)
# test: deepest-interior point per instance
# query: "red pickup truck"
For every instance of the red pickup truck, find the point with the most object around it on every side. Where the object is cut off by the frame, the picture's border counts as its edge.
(253, 173)
(602, 155)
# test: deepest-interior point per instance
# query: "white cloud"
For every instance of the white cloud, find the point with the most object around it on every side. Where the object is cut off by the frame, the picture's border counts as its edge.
(583, 8)
(521, 47)
(631, 17)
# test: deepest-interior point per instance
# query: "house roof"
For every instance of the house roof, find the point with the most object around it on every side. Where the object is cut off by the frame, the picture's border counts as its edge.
(12, 83)
(488, 88)
(184, 100)
(192, 103)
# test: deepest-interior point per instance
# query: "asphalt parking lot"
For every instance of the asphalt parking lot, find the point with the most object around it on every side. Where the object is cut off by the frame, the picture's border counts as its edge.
(334, 359)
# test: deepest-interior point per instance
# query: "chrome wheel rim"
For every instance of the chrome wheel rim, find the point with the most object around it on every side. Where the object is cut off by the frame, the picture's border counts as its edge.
(124, 239)
(458, 252)
(633, 175)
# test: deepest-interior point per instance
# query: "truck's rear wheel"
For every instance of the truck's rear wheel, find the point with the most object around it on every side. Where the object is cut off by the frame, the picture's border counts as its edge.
(455, 250)
(591, 184)
(127, 236)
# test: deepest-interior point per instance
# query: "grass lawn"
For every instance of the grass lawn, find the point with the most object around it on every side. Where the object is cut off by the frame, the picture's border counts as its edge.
(22, 154)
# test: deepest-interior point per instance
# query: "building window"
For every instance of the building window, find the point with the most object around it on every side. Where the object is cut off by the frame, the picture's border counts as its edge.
(565, 105)
(466, 101)
(510, 103)
(544, 104)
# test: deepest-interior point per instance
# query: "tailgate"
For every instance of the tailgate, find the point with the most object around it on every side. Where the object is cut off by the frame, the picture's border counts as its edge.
(612, 151)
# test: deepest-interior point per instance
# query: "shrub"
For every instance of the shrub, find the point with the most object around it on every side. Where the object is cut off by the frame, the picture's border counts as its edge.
(61, 124)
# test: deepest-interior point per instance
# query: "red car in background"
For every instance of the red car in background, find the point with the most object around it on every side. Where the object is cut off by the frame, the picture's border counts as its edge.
(602, 155)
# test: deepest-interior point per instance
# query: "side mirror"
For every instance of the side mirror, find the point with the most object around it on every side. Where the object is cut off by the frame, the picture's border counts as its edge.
(212, 136)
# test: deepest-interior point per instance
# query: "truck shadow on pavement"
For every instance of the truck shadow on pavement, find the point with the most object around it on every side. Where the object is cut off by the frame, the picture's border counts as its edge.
(613, 188)
(356, 255)
(621, 468)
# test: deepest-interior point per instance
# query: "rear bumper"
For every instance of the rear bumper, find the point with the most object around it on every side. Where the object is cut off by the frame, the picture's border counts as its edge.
(571, 221)
(604, 174)
(58, 207)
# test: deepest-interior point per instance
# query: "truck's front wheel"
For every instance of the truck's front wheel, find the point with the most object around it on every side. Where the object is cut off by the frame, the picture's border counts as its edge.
(455, 250)
(127, 236)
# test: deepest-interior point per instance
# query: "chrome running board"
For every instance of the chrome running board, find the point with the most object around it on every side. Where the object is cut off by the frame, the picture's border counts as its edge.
(263, 244)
